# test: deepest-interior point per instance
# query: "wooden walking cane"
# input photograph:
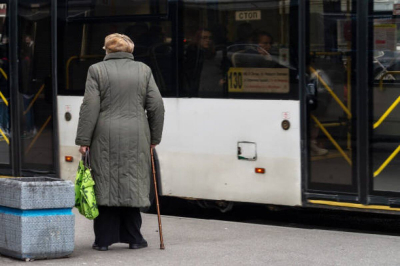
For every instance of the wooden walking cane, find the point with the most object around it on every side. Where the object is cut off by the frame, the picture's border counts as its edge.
(158, 205)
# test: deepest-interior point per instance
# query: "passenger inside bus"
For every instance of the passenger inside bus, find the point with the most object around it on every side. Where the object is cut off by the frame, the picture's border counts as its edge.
(244, 33)
(257, 54)
(264, 41)
(203, 73)
(319, 109)
(28, 87)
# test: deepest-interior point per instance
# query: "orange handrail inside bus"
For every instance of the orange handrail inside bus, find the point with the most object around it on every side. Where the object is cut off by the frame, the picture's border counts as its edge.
(384, 75)
(3, 98)
(3, 73)
(1, 94)
(4, 136)
(377, 124)
(37, 135)
(337, 124)
(6, 102)
(34, 100)
(69, 62)
(388, 160)
(387, 113)
(332, 140)
(332, 93)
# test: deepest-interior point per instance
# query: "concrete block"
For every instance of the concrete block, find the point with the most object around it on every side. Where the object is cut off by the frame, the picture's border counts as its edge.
(27, 193)
(36, 219)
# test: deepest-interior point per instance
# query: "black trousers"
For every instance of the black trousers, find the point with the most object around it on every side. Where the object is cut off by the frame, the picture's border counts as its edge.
(117, 225)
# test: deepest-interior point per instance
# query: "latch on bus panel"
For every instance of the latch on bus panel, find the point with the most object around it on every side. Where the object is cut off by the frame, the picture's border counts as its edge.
(247, 151)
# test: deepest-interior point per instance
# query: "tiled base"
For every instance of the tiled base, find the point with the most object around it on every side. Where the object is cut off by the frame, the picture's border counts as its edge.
(36, 234)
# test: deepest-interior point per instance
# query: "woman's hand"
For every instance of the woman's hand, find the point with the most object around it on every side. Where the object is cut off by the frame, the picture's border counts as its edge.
(83, 149)
(152, 146)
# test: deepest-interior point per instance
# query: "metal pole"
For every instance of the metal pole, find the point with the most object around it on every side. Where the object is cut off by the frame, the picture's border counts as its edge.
(54, 80)
(362, 108)
(302, 52)
(348, 16)
(14, 91)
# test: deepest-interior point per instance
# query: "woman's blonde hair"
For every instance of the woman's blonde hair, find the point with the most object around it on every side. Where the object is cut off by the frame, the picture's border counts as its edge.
(116, 42)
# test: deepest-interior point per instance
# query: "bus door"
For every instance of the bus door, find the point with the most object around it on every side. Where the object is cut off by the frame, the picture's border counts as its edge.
(26, 141)
(352, 95)
(384, 97)
(330, 89)
(5, 151)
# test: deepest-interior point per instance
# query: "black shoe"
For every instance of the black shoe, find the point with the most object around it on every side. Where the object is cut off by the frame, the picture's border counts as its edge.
(96, 247)
(143, 244)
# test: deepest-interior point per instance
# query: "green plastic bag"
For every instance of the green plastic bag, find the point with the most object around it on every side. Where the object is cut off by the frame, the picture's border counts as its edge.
(85, 199)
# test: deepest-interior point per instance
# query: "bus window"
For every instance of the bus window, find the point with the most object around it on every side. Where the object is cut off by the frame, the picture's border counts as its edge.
(84, 48)
(330, 71)
(35, 86)
(385, 120)
(237, 49)
(101, 8)
(4, 89)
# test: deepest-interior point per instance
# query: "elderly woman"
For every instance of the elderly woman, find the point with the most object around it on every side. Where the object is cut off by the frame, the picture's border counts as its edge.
(121, 119)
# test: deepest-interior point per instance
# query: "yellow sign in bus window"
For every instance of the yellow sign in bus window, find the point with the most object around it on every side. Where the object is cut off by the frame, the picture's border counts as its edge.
(235, 79)
(258, 80)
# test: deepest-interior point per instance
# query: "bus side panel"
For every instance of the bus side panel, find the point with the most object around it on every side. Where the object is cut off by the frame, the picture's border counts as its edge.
(67, 134)
(199, 150)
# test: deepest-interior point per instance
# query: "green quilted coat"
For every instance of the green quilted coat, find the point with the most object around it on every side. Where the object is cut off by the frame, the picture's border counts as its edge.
(121, 115)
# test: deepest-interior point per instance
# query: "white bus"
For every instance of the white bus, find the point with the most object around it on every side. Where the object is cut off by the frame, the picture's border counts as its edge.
(280, 102)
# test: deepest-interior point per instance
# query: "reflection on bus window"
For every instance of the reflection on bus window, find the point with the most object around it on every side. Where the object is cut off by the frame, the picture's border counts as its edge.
(386, 47)
(203, 73)
(84, 48)
(101, 8)
(385, 53)
(256, 54)
(35, 86)
(330, 69)
(4, 89)
(385, 120)
(229, 50)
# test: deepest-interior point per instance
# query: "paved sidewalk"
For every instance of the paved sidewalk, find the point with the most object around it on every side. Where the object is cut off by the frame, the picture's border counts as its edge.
(209, 242)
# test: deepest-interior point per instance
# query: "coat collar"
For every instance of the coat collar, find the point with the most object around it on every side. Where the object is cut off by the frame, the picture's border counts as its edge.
(118, 55)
